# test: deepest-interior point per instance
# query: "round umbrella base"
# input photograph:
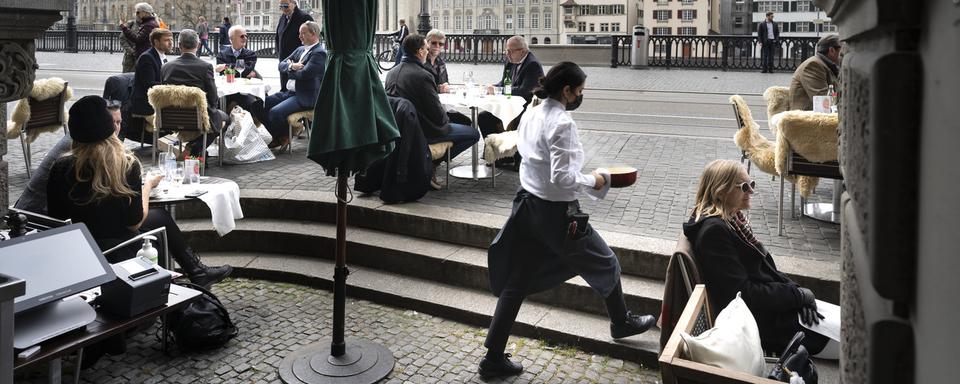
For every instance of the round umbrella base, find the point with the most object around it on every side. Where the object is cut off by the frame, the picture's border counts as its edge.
(363, 362)
(821, 211)
(466, 172)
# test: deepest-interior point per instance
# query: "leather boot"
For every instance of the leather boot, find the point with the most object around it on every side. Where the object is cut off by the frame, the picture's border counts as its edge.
(633, 325)
(499, 365)
(201, 274)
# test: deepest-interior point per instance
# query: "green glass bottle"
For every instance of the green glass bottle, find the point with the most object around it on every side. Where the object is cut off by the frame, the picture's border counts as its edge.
(507, 84)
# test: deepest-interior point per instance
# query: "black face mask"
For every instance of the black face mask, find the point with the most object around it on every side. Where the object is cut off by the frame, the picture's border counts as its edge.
(575, 103)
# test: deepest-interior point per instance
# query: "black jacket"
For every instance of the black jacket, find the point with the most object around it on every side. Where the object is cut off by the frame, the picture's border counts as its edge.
(762, 32)
(146, 75)
(404, 175)
(729, 265)
(120, 88)
(189, 70)
(287, 37)
(226, 56)
(526, 79)
(411, 80)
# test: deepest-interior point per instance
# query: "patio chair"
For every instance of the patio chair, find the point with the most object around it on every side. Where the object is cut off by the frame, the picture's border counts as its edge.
(778, 100)
(183, 110)
(682, 275)
(297, 123)
(754, 148)
(807, 149)
(42, 111)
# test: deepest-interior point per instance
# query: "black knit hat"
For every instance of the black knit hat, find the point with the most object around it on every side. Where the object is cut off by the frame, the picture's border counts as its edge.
(90, 121)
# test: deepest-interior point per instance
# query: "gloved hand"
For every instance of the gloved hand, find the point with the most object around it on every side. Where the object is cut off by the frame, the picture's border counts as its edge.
(808, 307)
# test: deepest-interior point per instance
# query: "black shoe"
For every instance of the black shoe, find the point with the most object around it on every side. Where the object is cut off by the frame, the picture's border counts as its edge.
(634, 325)
(499, 367)
(210, 275)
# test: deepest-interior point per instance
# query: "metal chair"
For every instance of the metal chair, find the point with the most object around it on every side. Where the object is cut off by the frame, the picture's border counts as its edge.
(40, 222)
(179, 109)
(301, 121)
(806, 150)
(43, 113)
(175, 120)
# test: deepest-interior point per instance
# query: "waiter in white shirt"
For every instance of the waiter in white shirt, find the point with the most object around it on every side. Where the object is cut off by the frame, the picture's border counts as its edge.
(547, 239)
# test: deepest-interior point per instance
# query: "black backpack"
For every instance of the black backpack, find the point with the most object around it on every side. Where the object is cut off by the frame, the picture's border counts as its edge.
(201, 325)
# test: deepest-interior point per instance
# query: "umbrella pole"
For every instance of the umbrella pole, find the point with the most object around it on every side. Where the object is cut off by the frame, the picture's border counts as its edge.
(340, 272)
(331, 361)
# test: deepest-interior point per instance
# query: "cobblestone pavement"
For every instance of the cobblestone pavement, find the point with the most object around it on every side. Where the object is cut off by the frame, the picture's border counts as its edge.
(277, 318)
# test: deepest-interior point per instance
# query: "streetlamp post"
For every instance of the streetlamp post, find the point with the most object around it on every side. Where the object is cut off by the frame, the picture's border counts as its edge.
(424, 25)
(72, 27)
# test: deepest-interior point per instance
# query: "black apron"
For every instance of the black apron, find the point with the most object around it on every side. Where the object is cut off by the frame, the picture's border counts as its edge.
(537, 228)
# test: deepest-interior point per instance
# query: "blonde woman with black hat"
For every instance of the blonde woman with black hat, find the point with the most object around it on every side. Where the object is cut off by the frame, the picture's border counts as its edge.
(98, 183)
(547, 239)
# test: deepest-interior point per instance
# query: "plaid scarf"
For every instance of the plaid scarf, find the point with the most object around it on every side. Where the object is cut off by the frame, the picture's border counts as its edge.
(741, 225)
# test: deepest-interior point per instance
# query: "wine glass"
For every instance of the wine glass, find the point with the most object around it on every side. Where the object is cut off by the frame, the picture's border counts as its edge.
(239, 66)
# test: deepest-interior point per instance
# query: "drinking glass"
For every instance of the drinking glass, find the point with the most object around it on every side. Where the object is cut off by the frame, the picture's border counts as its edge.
(239, 66)
(177, 175)
(497, 91)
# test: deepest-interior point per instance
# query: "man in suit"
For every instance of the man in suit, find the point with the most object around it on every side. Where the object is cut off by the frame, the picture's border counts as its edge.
(304, 68)
(525, 72)
(815, 75)
(767, 32)
(190, 70)
(288, 28)
(400, 34)
(412, 80)
(146, 75)
(228, 58)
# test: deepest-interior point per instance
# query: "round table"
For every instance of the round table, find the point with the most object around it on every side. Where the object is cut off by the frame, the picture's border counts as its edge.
(505, 108)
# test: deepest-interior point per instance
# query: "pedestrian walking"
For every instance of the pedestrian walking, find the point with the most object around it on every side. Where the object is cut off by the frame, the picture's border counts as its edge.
(287, 38)
(547, 239)
(203, 29)
(768, 33)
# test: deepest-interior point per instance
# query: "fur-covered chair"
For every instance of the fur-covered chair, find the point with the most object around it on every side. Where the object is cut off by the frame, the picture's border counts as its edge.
(297, 123)
(778, 100)
(756, 148)
(42, 111)
(181, 109)
(807, 137)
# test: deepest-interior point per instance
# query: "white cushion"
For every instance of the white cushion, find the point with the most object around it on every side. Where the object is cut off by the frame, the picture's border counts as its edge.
(733, 343)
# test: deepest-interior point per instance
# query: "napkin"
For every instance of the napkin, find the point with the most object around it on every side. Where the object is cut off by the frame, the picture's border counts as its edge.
(223, 199)
(599, 194)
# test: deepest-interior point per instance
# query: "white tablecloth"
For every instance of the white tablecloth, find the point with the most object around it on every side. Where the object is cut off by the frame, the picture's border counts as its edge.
(505, 109)
(255, 87)
(222, 197)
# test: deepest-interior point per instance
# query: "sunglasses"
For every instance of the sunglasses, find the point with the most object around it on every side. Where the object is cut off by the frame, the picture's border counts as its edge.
(747, 186)
(284, 6)
(437, 43)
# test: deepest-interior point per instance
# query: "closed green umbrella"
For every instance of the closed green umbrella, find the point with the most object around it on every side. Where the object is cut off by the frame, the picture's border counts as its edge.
(353, 126)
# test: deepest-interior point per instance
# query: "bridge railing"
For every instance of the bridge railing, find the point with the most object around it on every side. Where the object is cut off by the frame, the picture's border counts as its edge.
(717, 51)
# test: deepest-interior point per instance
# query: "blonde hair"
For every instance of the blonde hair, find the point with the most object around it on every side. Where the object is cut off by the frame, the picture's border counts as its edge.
(717, 180)
(105, 164)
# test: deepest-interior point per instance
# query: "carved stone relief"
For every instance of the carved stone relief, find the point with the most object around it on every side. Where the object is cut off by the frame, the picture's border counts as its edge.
(17, 69)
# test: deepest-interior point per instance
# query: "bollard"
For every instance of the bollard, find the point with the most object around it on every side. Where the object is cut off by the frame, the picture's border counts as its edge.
(638, 48)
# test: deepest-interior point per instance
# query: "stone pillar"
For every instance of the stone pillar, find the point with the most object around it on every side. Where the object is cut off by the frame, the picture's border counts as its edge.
(21, 21)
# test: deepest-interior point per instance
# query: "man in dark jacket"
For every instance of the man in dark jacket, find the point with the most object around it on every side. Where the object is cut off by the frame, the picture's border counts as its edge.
(190, 70)
(228, 57)
(304, 68)
(400, 34)
(767, 32)
(411, 80)
(524, 71)
(145, 76)
(141, 37)
(222, 33)
(288, 27)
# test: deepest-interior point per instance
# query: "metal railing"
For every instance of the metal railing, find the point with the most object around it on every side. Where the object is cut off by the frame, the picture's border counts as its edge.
(718, 51)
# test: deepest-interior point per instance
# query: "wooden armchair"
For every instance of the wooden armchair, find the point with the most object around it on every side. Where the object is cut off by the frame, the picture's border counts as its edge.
(183, 110)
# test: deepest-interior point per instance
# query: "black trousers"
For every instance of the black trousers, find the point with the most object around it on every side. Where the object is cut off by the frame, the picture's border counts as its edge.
(512, 296)
(156, 218)
(766, 55)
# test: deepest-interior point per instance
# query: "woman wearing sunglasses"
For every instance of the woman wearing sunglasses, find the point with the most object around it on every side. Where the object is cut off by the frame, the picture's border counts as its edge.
(732, 260)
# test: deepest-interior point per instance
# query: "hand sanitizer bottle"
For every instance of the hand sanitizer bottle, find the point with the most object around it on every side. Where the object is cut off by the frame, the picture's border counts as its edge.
(148, 250)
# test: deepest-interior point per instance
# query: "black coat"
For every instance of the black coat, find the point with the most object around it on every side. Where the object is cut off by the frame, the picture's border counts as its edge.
(404, 175)
(189, 70)
(729, 265)
(226, 56)
(120, 88)
(287, 37)
(762, 32)
(527, 78)
(145, 76)
(411, 80)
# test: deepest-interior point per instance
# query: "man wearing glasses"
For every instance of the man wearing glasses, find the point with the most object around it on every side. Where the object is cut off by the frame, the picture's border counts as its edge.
(436, 41)
(229, 57)
(287, 38)
(815, 75)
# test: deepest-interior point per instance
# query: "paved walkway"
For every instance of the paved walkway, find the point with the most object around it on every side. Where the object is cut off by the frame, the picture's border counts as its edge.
(275, 319)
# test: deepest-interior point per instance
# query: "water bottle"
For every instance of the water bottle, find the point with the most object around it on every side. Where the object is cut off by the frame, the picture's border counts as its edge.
(833, 95)
(148, 250)
(170, 162)
(507, 84)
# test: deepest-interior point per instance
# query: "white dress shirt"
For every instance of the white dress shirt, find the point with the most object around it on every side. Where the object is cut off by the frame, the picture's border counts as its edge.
(552, 154)
(291, 83)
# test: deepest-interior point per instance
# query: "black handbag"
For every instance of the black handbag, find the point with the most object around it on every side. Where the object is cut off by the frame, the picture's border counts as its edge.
(795, 358)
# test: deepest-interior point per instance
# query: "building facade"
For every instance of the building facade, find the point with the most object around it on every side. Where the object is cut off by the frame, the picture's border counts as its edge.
(260, 15)
(681, 17)
(390, 12)
(795, 17)
(736, 17)
(594, 21)
(534, 19)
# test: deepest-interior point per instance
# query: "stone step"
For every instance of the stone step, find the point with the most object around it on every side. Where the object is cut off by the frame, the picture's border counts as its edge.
(588, 332)
(640, 256)
(445, 263)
